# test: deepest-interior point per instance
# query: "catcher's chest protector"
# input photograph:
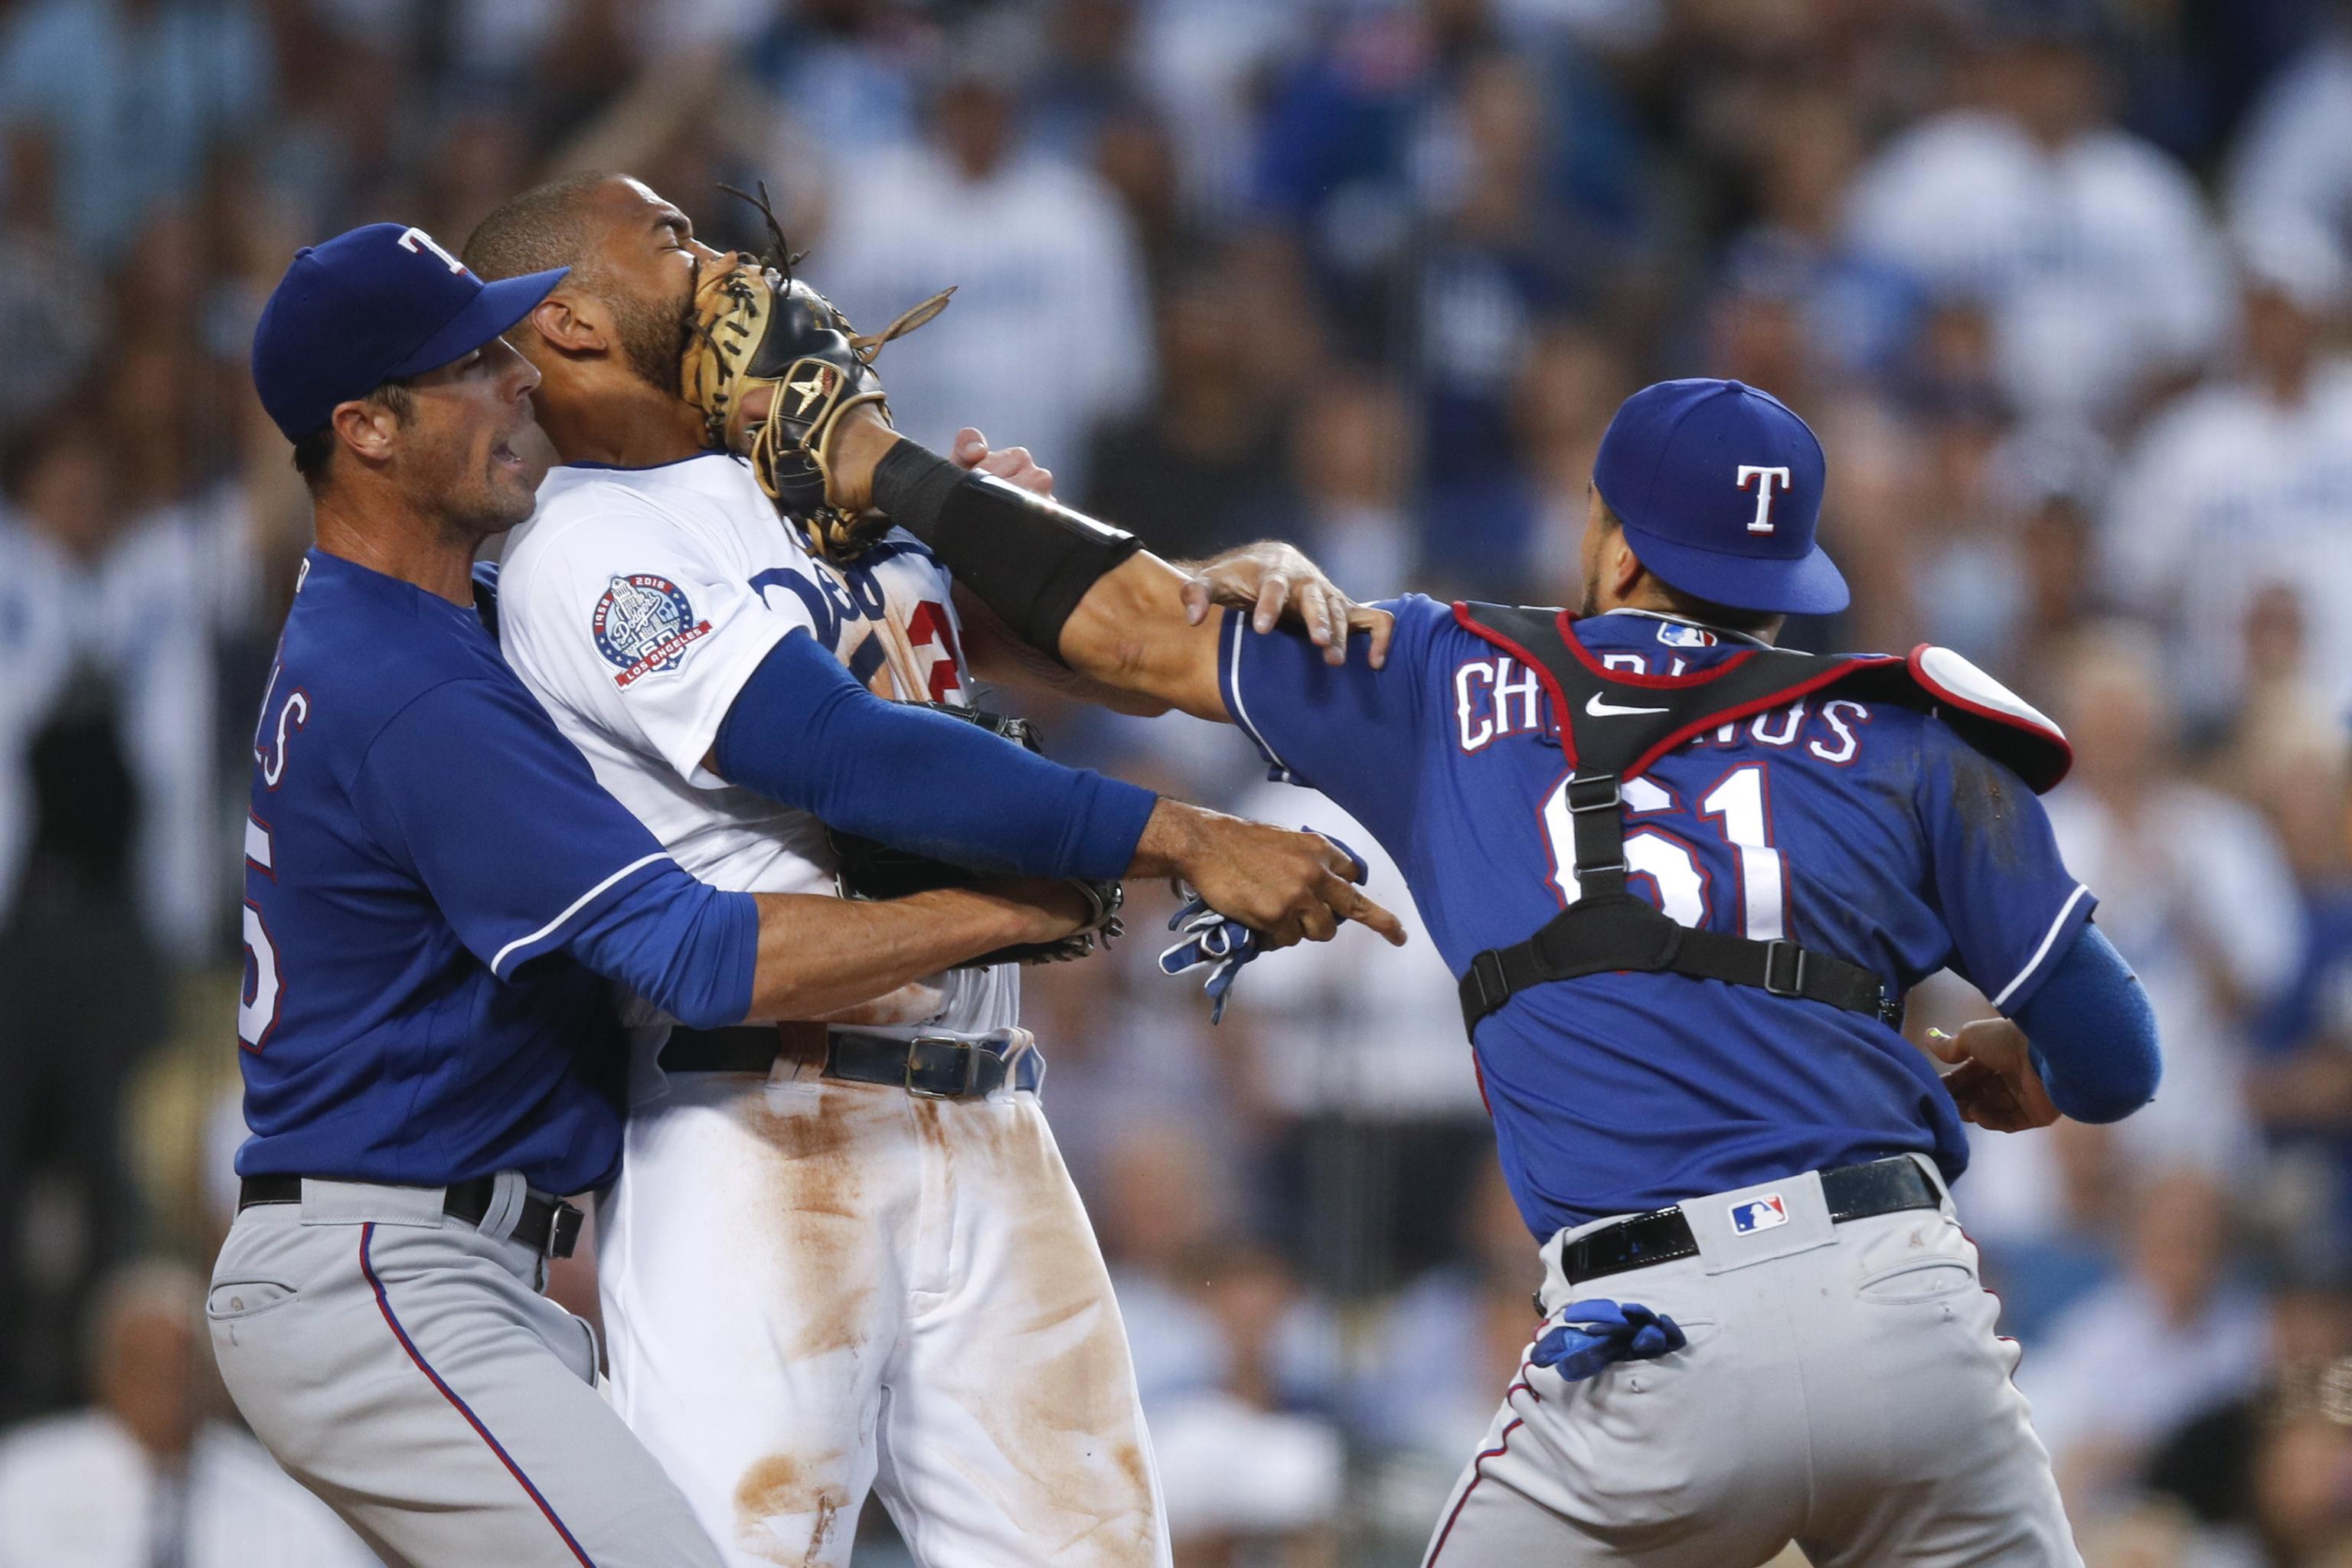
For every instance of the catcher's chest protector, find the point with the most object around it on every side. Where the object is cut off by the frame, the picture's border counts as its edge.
(1615, 724)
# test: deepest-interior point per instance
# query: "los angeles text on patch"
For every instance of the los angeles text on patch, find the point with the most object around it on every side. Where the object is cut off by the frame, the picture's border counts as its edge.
(643, 623)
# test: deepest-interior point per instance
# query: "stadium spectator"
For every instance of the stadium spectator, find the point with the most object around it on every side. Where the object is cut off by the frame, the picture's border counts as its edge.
(1570, 388)
(2292, 168)
(137, 93)
(1352, 460)
(48, 307)
(2300, 1083)
(2240, 488)
(2050, 1226)
(2213, 1465)
(1251, 1473)
(1856, 314)
(1048, 337)
(1423, 1378)
(108, 864)
(149, 1474)
(2174, 1334)
(1358, 1068)
(1202, 470)
(2090, 250)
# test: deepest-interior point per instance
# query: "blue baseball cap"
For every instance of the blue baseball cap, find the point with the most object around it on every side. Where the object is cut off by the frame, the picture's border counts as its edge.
(1720, 487)
(372, 306)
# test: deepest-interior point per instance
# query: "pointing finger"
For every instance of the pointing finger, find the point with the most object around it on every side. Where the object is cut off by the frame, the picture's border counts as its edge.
(1365, 912)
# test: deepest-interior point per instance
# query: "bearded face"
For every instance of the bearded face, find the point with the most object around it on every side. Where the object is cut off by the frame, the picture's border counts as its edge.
(653, 332)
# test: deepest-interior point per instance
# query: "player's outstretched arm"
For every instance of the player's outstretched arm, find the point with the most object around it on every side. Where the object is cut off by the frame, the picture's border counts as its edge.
(802, 732)
(1273, 580)
(1076, 589)
(819, 954)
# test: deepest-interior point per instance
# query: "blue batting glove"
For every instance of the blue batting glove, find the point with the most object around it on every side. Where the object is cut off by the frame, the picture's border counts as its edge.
(1597, 1333)
(1225, 945)
(1222, 943)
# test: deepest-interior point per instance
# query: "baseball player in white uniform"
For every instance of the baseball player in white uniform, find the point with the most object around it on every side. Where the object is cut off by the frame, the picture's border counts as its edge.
(814, 1285)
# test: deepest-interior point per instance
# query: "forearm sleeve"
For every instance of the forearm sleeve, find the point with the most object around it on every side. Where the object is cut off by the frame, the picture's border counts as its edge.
(2093, 1032)
(689, 949)
(1029, 558)
(804, 732)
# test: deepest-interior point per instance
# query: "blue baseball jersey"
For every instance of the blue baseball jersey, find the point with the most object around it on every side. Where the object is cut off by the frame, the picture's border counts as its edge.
(430, 871)
(1867, 830)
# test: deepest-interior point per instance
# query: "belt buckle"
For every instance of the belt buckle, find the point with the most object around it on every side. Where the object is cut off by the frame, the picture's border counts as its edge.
(1795, 966)
(971, 1068)
(563, 1229)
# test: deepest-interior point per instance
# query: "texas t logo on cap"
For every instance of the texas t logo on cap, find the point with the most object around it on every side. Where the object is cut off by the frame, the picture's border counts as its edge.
(382, 302)
(1761, 479)
(1719, 487)
(1760, 1214)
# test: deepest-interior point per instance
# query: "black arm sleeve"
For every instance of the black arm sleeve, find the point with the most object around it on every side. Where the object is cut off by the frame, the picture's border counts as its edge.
(1028, 558)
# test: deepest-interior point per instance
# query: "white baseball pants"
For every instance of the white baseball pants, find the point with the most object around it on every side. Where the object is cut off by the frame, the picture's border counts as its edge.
(814, 1289)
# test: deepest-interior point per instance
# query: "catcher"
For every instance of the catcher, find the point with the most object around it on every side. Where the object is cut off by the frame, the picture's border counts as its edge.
(838, 1258)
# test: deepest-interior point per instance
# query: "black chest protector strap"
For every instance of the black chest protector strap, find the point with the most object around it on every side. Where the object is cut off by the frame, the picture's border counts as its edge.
(1613, 727)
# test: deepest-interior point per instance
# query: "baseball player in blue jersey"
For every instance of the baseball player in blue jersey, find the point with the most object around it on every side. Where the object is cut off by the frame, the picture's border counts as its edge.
(436, 891)
(1684, 879)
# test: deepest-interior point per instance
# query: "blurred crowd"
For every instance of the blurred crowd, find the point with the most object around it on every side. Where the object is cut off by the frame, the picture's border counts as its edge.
(2064, 286)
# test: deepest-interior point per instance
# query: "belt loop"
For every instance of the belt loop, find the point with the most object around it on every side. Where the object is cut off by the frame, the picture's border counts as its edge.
(1935, 1178)
(1013, 1046)
(507, 1192)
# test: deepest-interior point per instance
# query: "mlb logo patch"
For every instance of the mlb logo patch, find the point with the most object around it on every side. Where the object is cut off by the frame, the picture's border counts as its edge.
(1673, 634)
(1760, 1214)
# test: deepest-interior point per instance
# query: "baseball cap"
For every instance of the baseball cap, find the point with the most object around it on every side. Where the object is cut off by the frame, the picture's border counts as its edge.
(1720, 487)
(378, 303)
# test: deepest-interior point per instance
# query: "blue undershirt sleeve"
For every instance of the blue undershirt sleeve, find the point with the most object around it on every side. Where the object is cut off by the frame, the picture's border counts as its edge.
(688, 948)
(2093, 1032)
(804, 732)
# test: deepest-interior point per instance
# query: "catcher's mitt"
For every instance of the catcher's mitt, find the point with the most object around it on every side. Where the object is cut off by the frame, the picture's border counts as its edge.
(754, 326)
(869, 868)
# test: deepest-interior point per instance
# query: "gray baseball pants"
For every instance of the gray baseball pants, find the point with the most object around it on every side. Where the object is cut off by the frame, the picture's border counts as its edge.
(1842, 1389)
(403, 1366)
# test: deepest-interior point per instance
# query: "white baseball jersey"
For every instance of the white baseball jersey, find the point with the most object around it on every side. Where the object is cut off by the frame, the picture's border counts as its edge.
(635, 602)
(812, 1289)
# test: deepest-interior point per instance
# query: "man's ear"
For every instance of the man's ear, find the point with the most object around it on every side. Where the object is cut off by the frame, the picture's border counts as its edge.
(369, 428)
(571, 324)
(1620, 568)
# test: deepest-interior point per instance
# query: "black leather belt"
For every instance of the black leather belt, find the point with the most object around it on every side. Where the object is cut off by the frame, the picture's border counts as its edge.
(1852, 1191)
(931, 1066)
(547, 1226)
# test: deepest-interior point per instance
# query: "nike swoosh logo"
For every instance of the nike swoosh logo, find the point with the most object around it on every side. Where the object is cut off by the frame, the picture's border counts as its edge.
(1600, 710)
